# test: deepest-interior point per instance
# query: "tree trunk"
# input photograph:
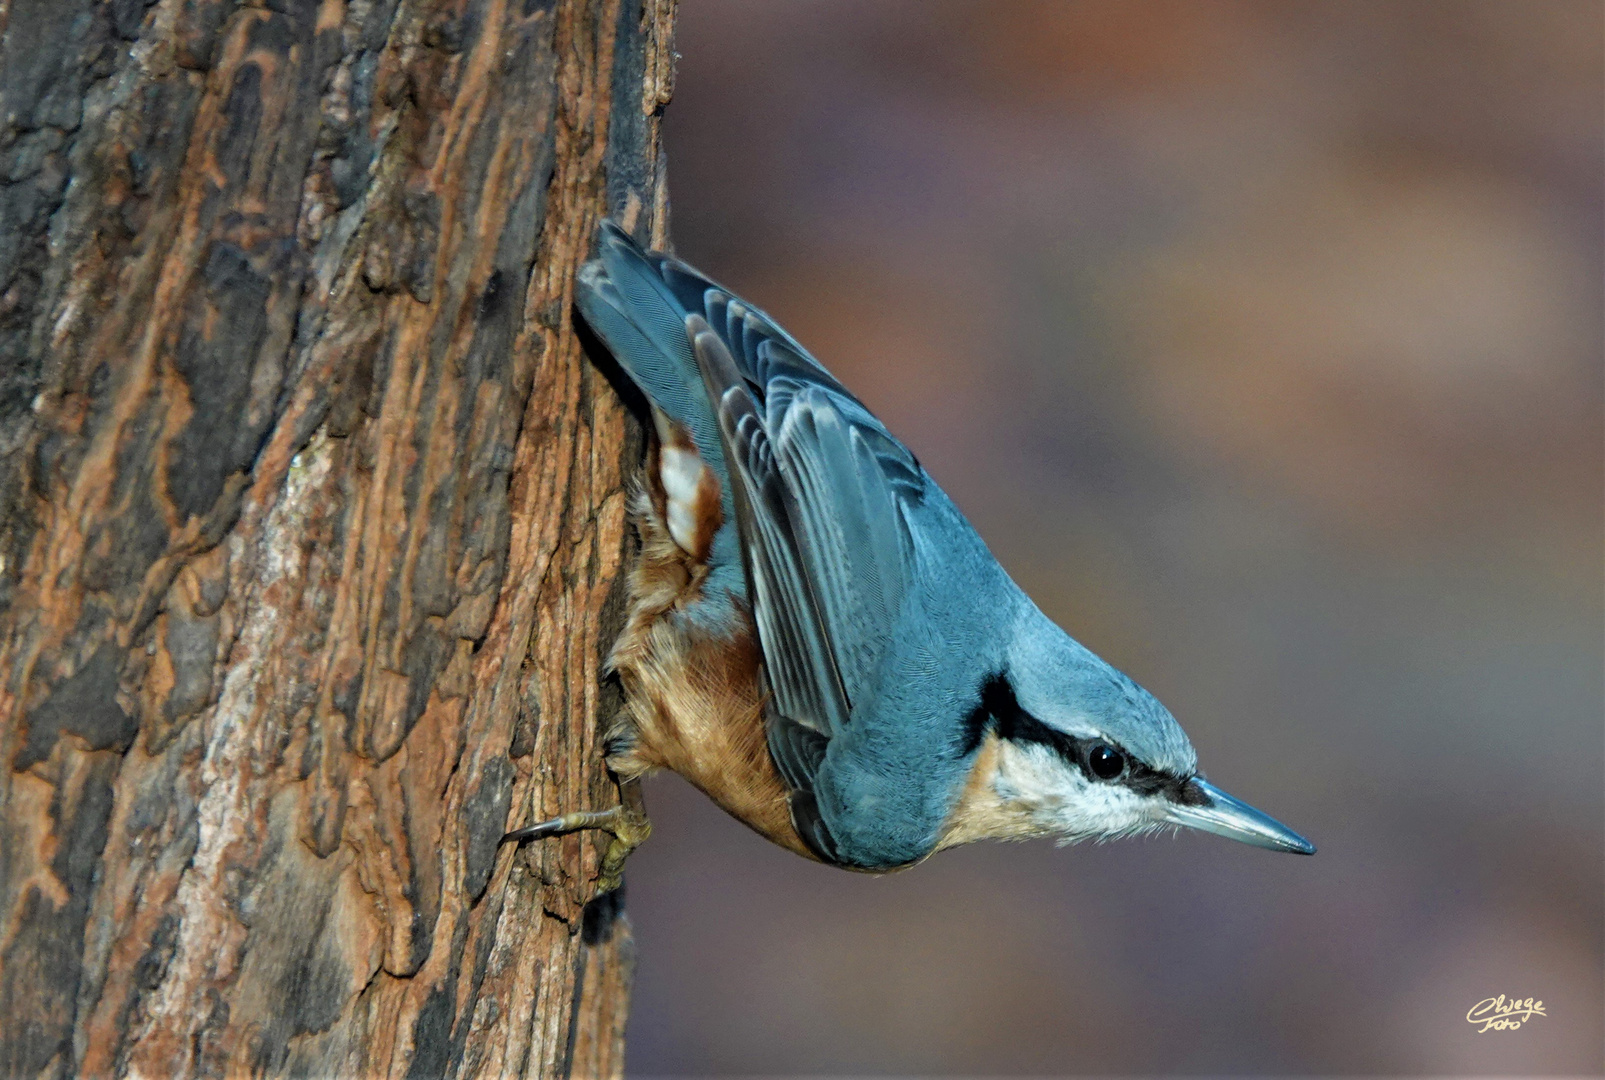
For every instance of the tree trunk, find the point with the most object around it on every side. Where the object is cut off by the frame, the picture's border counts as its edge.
(311, 517)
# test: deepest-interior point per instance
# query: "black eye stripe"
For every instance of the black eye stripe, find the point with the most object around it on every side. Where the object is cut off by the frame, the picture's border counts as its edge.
(999, 710)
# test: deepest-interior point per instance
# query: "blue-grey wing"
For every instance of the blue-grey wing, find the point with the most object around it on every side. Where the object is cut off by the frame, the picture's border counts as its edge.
(820, 491)
(849, 483)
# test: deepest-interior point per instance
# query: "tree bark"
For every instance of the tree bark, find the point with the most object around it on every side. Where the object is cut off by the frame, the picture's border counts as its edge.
(311, 516)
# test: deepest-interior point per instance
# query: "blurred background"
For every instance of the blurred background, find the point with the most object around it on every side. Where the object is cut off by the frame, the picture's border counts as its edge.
(1262, 343)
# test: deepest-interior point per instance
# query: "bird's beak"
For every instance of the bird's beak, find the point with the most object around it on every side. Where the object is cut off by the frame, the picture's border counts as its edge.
(1219, 813)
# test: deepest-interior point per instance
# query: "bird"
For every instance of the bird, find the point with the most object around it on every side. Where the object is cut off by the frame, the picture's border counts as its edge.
(821, 642)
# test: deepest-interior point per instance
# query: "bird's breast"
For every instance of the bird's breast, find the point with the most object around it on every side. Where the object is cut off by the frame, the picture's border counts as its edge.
(693, 697)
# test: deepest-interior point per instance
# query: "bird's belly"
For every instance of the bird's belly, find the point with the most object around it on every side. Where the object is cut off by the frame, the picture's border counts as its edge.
(694, 705)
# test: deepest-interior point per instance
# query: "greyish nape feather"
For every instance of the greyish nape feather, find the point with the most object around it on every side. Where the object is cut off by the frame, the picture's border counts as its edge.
(911, 696)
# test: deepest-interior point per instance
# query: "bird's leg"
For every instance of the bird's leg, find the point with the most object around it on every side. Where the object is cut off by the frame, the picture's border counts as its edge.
(630, 833)
(627, 822)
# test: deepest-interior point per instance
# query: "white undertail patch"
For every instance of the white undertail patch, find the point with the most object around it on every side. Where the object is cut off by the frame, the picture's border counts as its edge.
(690, 489)
(681, 472)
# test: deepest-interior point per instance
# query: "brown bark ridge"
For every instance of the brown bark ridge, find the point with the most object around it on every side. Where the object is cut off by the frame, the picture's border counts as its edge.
(311, 518)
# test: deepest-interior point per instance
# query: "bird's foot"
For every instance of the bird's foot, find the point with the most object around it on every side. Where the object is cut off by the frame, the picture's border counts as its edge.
(627, 823)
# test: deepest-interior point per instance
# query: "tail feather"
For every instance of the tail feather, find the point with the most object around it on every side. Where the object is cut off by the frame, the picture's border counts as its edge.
(627, 298)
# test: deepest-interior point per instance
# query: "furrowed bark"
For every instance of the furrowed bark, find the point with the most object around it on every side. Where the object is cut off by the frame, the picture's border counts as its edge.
(311, 522)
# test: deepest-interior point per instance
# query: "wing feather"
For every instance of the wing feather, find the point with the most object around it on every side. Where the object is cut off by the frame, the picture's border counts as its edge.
(797, 651)
(824, 489)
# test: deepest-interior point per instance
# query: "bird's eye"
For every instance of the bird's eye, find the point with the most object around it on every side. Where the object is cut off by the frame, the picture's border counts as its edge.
(1105, 762)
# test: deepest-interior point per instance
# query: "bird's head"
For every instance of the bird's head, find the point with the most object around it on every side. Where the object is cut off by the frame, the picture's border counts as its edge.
(1067, 746)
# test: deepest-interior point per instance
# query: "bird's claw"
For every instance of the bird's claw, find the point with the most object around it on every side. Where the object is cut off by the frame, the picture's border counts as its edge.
(627, 823)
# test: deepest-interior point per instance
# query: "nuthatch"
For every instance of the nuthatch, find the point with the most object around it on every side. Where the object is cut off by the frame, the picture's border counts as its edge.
(819, 640)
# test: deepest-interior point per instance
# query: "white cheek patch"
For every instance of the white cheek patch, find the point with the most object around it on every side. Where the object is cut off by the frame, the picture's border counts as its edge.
(1060, 800)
